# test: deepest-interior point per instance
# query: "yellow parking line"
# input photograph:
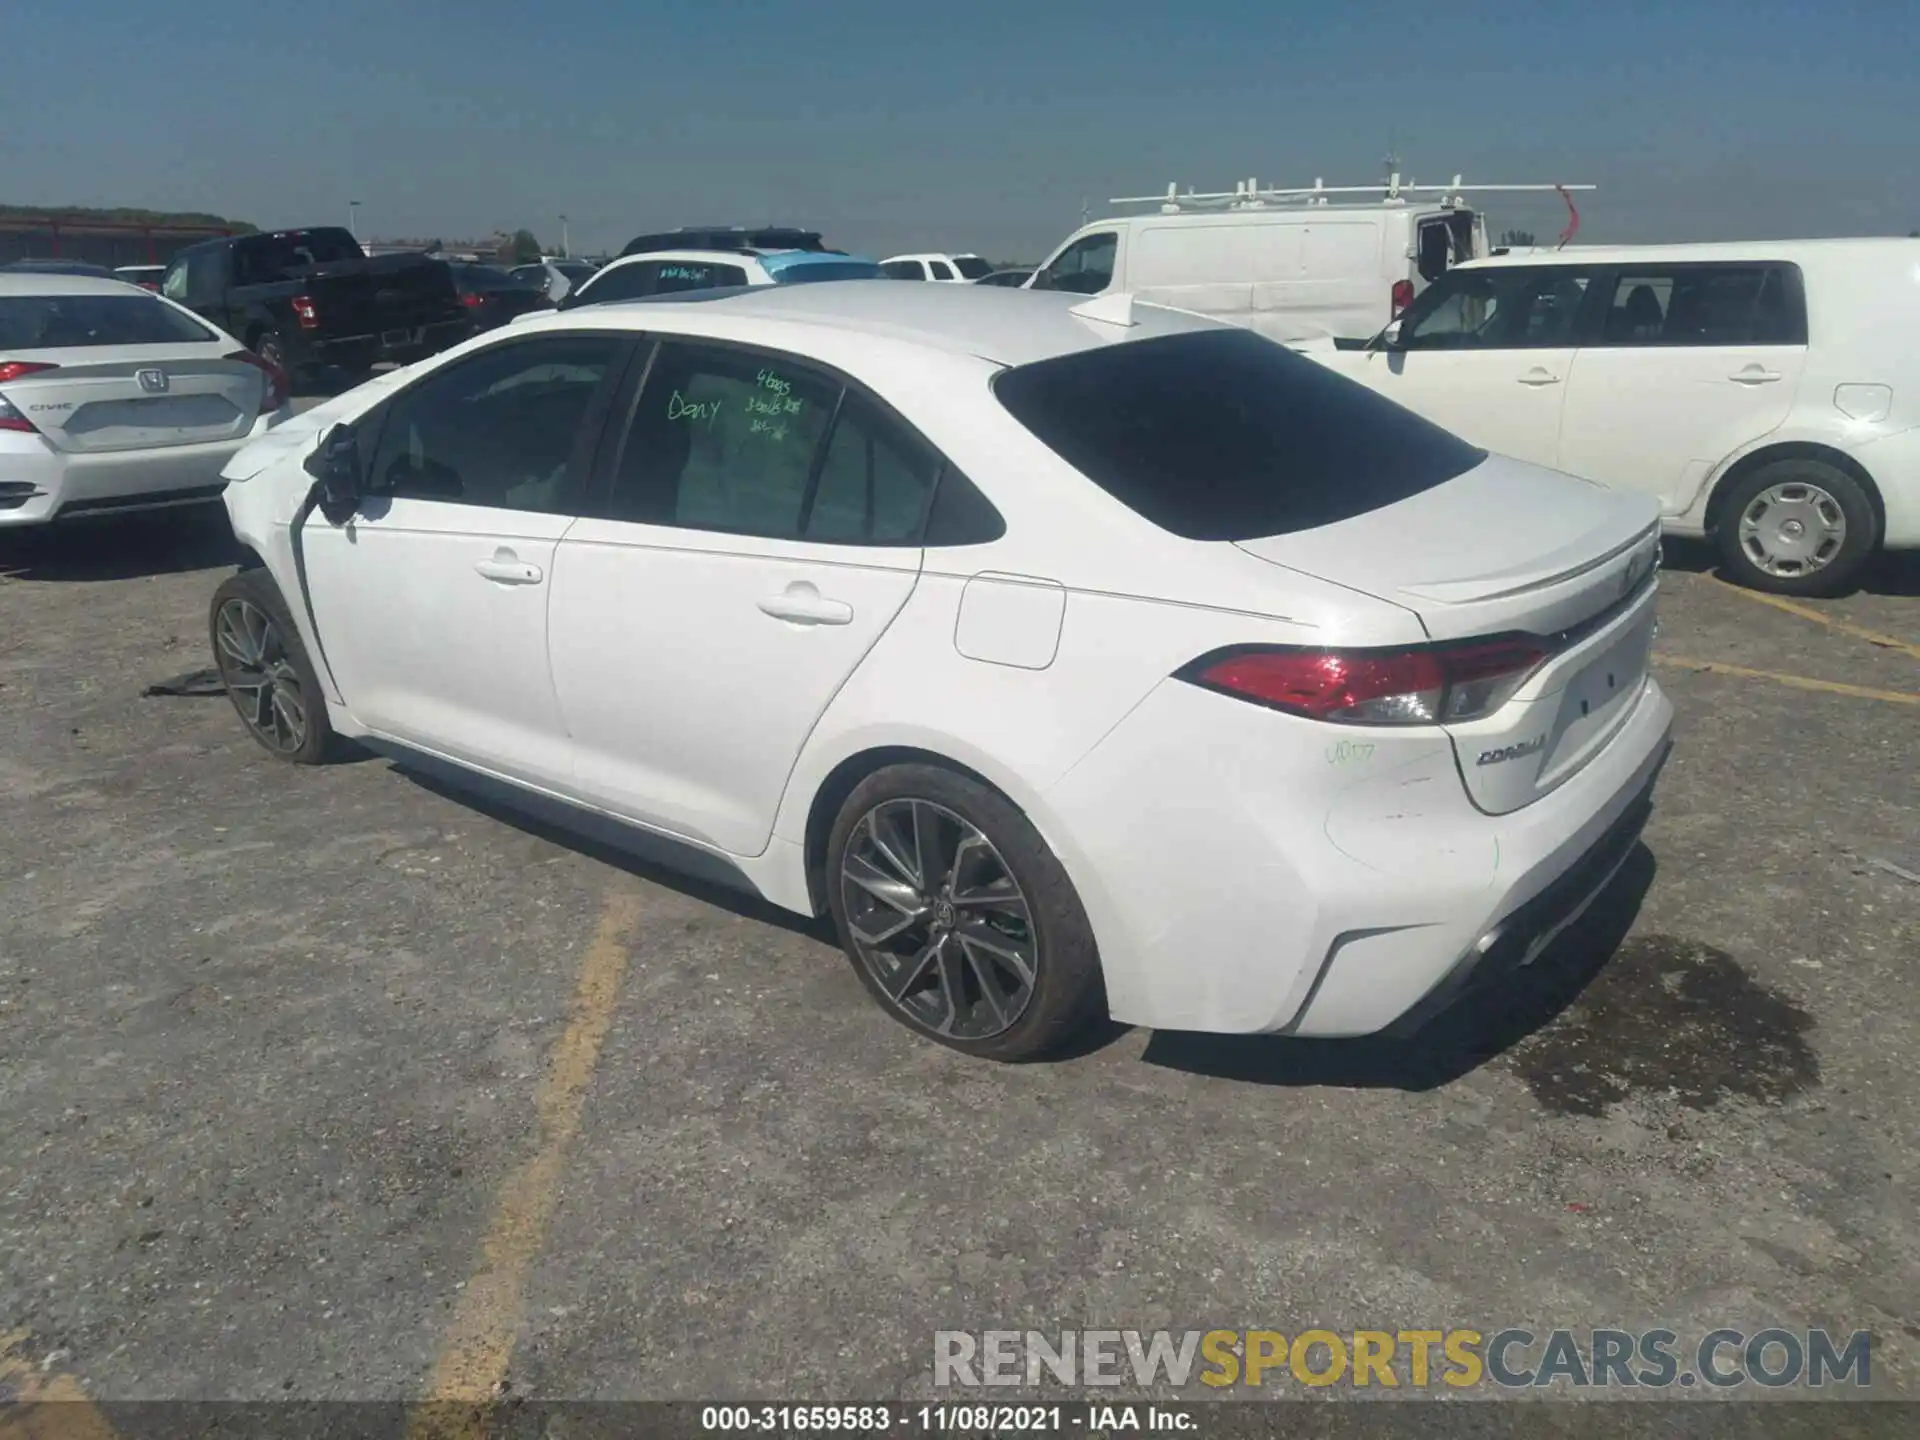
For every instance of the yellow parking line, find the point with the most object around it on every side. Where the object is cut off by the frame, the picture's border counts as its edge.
(47, 1405)
(475, 1353)
(1807, 612)
(1798, 682)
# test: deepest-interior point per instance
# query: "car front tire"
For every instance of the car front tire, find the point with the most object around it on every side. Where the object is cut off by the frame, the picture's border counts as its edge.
(1797, 527)
(264, 665)
(958, 918)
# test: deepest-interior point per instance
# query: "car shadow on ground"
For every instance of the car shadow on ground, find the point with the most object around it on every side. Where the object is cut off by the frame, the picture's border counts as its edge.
(121, 547)
(1460, 1039)
(617, 847)
(1892, 573)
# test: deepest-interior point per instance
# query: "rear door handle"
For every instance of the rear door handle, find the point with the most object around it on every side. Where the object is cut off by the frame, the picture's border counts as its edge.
(803, 604)
(509, 569)
(1538, 376)
(1754, 375)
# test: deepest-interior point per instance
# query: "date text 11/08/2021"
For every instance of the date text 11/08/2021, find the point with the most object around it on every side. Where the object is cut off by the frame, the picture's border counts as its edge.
(1088, 1420)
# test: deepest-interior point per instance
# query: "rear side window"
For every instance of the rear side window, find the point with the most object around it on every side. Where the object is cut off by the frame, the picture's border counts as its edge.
(59, 322)
(1706, 305)
(941, 270)
(676, 275)
(903, 270)
(621, 282)
(971, 267)
(1224, 435)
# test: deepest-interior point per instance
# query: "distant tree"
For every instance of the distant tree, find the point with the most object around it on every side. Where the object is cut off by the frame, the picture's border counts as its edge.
(122, 215)
(1520, 239)
(523, 249)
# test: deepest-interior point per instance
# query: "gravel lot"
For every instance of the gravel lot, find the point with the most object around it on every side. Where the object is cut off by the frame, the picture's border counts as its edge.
(329, 1084)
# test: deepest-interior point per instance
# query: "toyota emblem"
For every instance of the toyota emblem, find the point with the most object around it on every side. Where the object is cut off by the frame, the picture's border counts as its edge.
(154, 382)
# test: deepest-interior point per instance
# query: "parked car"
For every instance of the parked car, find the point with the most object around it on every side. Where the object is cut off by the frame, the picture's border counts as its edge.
(1767, 394)
(1011, 279)
(954, 268)
(57, 267)
(113, 399)
(662, 273)
(311, 300)
(1271, 261)
(1069, 654)
(147, 277)
(725, 237)
(556, 277)
(493, 296)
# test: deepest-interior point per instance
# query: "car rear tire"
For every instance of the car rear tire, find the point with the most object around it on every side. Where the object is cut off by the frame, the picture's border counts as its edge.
(1797, 527)
(263, 664)
(958, 918)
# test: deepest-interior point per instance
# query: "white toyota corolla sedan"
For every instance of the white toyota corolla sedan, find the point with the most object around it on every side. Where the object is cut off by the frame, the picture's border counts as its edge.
(1075, 655)
(113, 398)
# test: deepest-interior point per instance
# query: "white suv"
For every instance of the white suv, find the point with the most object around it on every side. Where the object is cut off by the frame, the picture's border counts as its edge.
(664, 272)
(954, 269)
(1767, 393)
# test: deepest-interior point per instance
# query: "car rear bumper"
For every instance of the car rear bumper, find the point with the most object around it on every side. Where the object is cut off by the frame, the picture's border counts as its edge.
(1244, 872)
(39, 484)
(1894, 463)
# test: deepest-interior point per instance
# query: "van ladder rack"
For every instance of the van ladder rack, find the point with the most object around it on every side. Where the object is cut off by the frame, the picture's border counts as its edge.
(1247, 194)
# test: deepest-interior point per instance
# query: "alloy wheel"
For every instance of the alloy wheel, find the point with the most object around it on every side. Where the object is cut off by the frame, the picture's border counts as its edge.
(260, 676)
(938, 919)
(1792, 529)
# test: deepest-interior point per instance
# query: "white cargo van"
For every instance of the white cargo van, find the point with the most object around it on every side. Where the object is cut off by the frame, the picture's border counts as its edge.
(1279, 261)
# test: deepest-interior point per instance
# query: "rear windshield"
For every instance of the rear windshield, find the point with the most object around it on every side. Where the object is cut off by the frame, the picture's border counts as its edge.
(59, 322)
(972, 267)
(1224, 435)
(489, 277)
(262, 259)
(825, 270)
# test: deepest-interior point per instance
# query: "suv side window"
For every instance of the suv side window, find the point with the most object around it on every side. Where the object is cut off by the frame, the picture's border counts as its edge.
(696, 275)
(874, 483)
(621, 282)
(941, 270)
(173, 284)
(723, 439)
(903, 270)
(1084, 267)
(1751, 304)
(1506, 307)
(499, 428)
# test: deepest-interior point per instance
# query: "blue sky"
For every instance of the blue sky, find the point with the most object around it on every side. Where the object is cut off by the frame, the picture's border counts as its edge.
(960, 124)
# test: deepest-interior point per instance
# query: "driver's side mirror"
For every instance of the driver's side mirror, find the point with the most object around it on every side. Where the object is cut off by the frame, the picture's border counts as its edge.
(335, 467)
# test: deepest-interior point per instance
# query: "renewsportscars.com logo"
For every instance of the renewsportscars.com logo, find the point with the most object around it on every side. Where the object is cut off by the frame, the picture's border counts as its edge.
(1415, 1359)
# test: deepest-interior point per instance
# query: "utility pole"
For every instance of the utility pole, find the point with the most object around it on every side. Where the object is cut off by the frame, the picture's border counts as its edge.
(353, 218)
(565, 249)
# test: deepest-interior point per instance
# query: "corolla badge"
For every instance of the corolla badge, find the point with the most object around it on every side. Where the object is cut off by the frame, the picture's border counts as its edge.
(1512, 752)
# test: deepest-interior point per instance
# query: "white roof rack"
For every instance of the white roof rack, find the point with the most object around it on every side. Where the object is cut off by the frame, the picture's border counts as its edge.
(1247, 194)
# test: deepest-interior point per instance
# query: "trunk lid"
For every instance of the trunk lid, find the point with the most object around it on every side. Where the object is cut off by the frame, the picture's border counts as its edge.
(1512, 548)
(126, 399)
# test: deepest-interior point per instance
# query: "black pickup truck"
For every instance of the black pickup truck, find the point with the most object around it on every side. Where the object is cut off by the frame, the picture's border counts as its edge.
(313, 300)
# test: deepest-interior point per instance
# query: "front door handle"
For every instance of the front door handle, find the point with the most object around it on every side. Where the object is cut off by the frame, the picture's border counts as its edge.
(803, 604)
(509, 569)
(1539, 376)
(1754, 375)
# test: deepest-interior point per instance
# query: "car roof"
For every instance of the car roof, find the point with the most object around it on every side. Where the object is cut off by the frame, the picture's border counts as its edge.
(1704, 251)
(1007, 327)
(703, 257)
(46, 282)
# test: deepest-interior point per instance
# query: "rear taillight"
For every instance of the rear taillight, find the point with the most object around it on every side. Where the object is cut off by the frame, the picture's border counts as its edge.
(1435, 685)
(473, 302)
(10, 416)
(278, 386)
(304, 312)
(1402, 296)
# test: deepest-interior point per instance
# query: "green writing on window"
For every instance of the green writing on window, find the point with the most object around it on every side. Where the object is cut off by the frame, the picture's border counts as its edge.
(694, 412)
